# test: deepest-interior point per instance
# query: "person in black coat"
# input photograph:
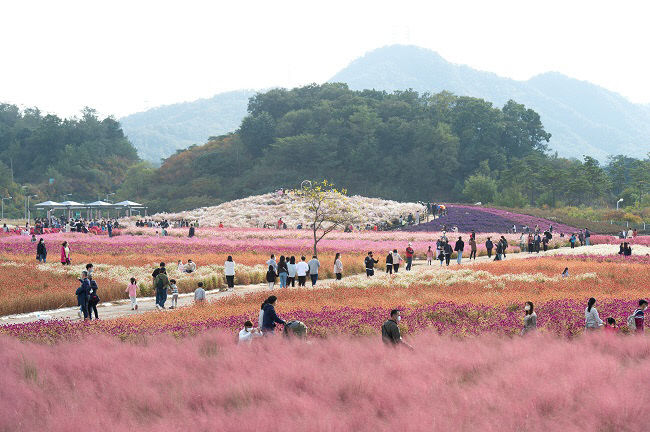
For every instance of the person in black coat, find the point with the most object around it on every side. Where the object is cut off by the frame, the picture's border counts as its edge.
(93, 299)
(448, 250)
(83, 293)
(389, 262)
(41, 251)
(191, 231)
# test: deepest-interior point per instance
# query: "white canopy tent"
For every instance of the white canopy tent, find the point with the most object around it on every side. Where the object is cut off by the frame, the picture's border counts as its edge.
(129, 206)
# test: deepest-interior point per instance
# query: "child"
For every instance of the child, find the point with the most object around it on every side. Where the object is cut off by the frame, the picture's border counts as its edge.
(132, 289)
(172, 284)
(270, 276)
(610, 326)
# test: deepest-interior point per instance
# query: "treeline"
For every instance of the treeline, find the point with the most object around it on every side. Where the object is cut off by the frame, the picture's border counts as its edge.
(79, 159)
(400, 145)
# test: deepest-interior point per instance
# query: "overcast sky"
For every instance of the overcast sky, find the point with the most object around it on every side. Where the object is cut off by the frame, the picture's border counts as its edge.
(122, 57)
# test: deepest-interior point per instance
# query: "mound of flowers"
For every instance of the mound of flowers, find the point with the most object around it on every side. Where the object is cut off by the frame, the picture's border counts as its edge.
(255, 211)
(486, 219)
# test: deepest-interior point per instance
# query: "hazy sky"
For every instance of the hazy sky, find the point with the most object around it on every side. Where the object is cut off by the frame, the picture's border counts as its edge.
(122, 57)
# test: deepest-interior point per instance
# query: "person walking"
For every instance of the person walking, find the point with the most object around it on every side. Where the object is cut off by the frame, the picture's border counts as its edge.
(397, 259)
(338, 266)
(592, 320)
(41, 251)
(530, 319)
(192, 231)
(83, 293)
(161, 283)
(460, 245)
(229, 272)
(174, 288)
(409, 257)
(635, 322)
(389, 262)
(132, 290)
(93, 299)
(572, 240)
(489, 246)
(472, 245)
(65, 253)
(283, 271)
(499, 250)
(522, 243)
(370, 262)
(291, 269)
(301, 270)
(504, 246)
(314, 265)
(390, 333)
(270, 277)
(270, 318)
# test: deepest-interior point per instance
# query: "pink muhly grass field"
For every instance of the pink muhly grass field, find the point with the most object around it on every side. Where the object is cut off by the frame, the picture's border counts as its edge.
(337, 384)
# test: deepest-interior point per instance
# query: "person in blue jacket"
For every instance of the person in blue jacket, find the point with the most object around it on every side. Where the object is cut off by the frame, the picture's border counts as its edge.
(270, 318)
(83, 294)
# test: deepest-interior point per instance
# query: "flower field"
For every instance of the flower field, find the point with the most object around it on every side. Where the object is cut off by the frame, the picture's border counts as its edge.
(340, 384)
(486, 219)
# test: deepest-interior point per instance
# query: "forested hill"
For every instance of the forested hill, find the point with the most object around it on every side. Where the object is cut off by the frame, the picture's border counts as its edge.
(157, 133)
(402, 146)
(585, 119)
(59, 159)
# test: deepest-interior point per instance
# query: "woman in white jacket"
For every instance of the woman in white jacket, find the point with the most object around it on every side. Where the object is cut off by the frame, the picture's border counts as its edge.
(397, 259)
(592, 320)
(338, 266)
(229, 272)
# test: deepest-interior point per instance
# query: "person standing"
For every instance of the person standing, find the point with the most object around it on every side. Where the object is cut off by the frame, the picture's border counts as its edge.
(390, 333)
(301, 270)
(314, 265)
(83, 292)
(489, 245)
(272, 262)
(291, 269)
(270, 277)
(499, 250)
(192, 231)
(522, 243)
(283, 271)
(270, 318)
(472, 245)
(397, 259)
(530, 319)
(409, 257)
(199, 293)
(162, 283)
(460, 245)
(370, 264)
(429, 256)
(65, 253)
(572, 240)
(93, 299)
(41, 251)
(229, 272)
(389, 262)
(448, 251)
(592, 320)
(338, 266)
(504, 246)
(132, 290)
(174, 288)
(588, 236)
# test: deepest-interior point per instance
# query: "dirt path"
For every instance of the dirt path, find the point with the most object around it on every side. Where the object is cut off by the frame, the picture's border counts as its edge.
(122, 308)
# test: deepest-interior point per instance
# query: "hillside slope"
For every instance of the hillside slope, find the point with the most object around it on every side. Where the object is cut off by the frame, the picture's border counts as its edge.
(582, 117)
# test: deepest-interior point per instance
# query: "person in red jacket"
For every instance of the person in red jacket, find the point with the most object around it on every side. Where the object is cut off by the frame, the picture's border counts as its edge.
(409, 257)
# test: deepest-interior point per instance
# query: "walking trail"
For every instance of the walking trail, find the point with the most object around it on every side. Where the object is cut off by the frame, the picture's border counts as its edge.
(122, 308)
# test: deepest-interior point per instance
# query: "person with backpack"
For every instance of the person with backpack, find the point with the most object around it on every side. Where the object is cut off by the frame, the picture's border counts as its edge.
(161, 283)
(389, 262)
(635, 322)
(592, 320)
(409, 257)
(370, 262)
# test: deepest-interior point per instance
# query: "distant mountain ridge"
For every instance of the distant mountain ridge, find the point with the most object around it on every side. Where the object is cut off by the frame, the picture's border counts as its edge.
(583, 118)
